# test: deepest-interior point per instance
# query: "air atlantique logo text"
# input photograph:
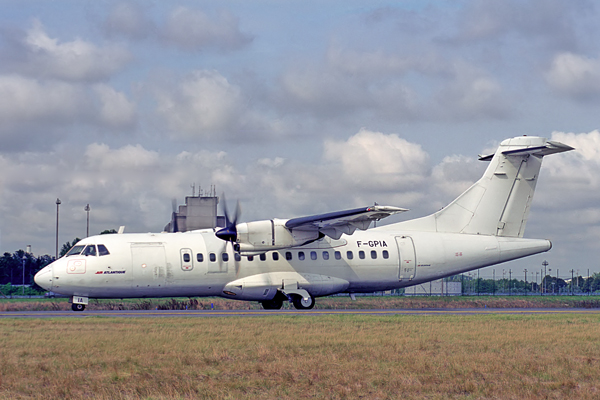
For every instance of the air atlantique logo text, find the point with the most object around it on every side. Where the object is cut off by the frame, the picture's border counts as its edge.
(109, 272)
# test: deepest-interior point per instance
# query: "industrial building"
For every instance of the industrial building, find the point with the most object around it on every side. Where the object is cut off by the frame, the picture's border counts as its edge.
(199, 212)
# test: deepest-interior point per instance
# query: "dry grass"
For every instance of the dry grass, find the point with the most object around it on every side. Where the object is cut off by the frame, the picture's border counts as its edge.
(335, 302)
(303, 357)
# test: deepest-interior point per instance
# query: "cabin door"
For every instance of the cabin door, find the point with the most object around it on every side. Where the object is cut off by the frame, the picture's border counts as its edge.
(407, 263)
(149, 265)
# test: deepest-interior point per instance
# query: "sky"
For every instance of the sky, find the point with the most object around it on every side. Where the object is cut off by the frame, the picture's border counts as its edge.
(294, 108)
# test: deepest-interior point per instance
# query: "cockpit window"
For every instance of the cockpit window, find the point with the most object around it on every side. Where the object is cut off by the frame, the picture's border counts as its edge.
(90, 250)
(102, 250)
(75, 250)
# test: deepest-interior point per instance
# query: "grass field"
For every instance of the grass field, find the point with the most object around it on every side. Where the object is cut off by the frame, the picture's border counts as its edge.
(303, 357)
(334, 302)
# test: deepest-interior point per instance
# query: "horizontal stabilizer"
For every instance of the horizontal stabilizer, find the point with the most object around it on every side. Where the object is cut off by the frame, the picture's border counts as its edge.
(550, 147)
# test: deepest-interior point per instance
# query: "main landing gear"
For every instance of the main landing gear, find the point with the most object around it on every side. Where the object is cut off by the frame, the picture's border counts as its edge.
(77, 307)
(300, 302)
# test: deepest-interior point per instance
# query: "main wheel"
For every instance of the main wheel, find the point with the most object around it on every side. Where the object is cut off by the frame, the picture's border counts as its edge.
(301, 304)
(274, 304)
(77, 307)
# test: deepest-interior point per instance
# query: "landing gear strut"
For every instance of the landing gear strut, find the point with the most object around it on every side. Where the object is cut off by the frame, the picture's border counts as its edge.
(77, 307)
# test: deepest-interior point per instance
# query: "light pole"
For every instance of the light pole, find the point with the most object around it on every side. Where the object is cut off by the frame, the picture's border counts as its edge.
(23, 287)
(525, 281)
(57, 205)
(572, 277)
(545, 264)
(87, 210)
(509, 281)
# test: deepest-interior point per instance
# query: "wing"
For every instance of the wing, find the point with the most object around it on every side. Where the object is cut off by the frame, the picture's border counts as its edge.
(336, 223)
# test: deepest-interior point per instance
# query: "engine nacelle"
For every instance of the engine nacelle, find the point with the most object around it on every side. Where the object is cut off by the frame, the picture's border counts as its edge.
(260, 236)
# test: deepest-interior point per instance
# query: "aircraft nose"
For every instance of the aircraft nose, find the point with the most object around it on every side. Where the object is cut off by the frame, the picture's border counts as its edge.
(44, 277)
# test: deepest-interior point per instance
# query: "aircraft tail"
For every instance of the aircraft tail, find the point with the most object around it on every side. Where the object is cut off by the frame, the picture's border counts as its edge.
(498, 204)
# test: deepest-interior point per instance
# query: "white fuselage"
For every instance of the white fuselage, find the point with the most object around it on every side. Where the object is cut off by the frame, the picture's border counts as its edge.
(192, 264)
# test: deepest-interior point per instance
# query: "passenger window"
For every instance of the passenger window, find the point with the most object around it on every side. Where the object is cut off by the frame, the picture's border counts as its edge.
(325, 255)
(225, 256)
(250, 258)
(338, 255)
(275, 256)
(212, 257)
(349, 255)
(313, 255)
(102, 250)
(373, 254)
(263, 257)
(361, 255)
(200, 257)
(386, 255)
(186, 257)
(90, 250)
(237, 257)
(288, 255)
(75, 250)
(300, 255)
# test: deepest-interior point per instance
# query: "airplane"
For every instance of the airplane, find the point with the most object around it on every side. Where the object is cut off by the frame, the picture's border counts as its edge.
(299, 259)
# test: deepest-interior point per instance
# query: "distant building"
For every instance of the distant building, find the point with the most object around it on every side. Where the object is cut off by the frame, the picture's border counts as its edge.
(435, 288)
(199, 212)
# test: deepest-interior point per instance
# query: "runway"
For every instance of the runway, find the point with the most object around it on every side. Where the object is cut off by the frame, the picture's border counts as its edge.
(266, 313)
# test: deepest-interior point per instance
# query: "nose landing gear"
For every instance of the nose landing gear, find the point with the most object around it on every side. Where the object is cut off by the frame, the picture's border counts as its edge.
(78, 303)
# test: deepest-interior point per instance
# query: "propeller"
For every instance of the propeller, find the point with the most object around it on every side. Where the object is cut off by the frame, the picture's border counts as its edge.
(229, 233)
(174, 227)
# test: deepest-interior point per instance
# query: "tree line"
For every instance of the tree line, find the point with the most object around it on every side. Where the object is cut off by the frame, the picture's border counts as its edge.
(548, 285)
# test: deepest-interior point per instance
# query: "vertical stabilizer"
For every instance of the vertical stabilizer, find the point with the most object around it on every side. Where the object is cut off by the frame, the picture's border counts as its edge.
(498, 204)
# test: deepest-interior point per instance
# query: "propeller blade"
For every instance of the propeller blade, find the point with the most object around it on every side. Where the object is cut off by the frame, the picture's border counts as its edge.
(174, 226)
(229, 232)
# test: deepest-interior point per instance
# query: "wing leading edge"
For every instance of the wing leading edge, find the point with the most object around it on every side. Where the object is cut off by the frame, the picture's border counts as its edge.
(336, 223)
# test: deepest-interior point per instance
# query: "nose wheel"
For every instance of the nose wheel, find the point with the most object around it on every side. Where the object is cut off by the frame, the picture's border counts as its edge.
(77, 307)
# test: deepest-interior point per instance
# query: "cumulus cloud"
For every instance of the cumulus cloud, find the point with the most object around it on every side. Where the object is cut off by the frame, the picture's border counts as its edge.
(471, 94)
(37, 112)
(348, 82)
(567, 202)
(203, 103)
(115, 109)
(378, 161)
(128, 19)
(425, 86)
(575, 75)
(41, 56)
(31, 111)
(24, 100)
(206, 104)
(192, 29)
(552, 23)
